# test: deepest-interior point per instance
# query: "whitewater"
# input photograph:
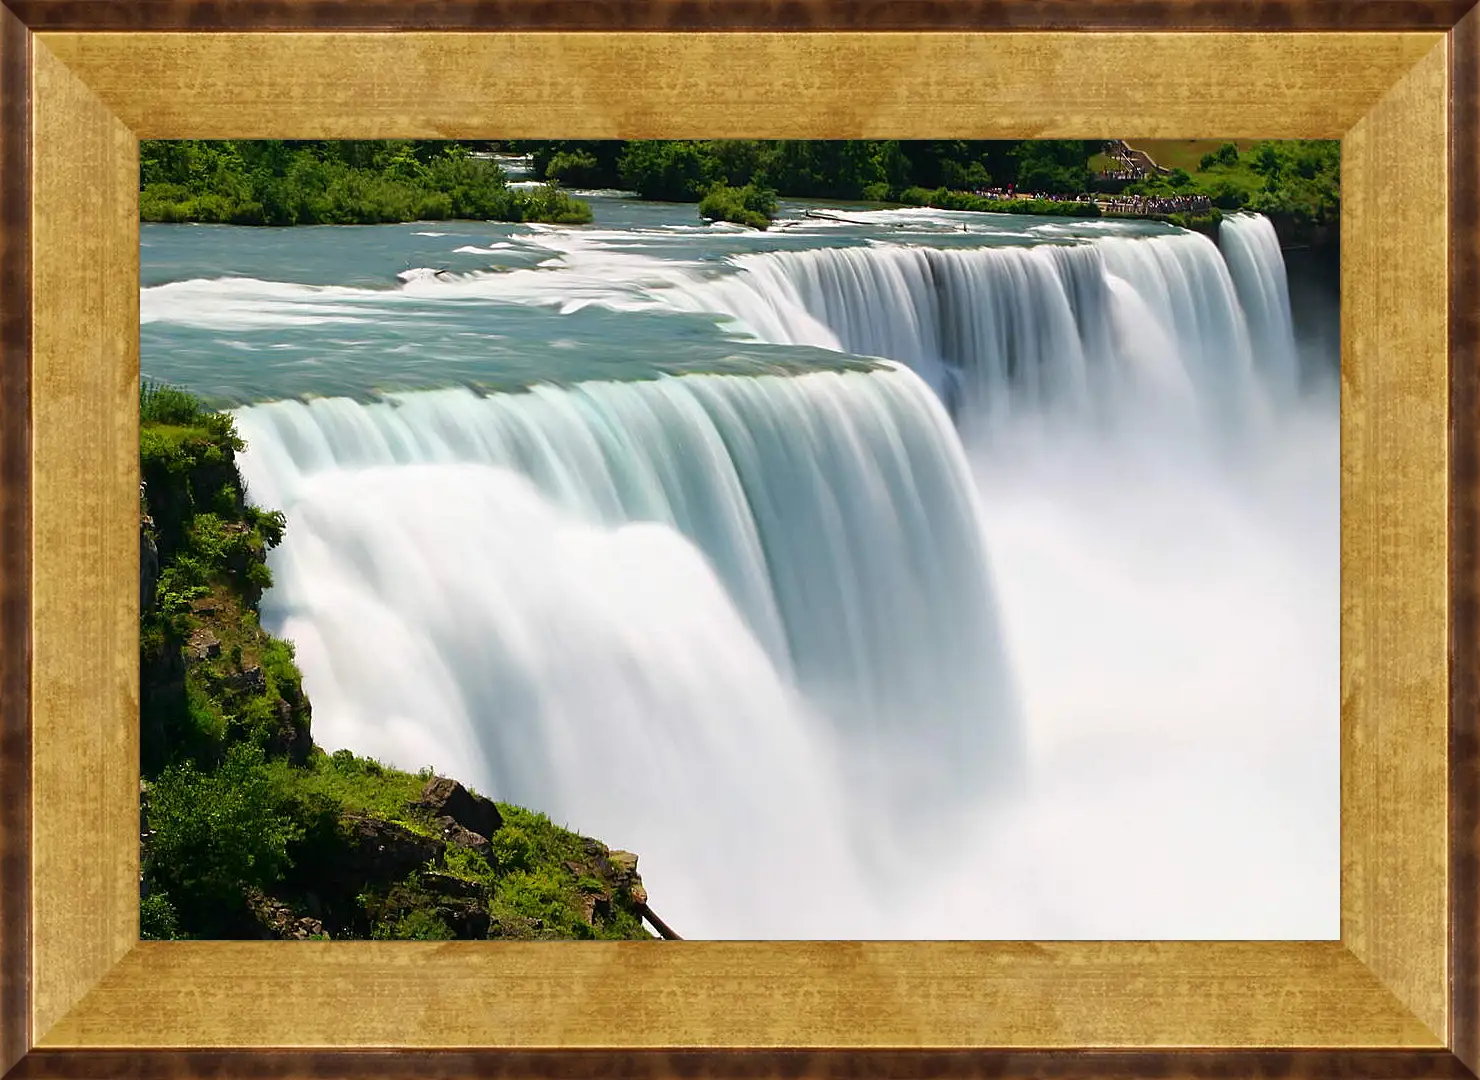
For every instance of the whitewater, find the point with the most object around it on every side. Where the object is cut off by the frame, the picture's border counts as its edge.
(923, 576)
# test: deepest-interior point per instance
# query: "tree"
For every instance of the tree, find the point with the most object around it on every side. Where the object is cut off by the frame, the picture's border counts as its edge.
(667, 171)
(215, 834)
(1053, 166)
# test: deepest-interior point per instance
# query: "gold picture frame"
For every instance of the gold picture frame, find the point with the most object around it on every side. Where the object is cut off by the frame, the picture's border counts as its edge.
(83, 81)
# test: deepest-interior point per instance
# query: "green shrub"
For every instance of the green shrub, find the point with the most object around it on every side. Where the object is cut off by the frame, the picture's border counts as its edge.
(157, 918)
(668, 171)
(578, 168)
(541, 898)
(513, 849)
(418, 924)
(217, 834)
(748, 205)
(549, 203)
(160, 403)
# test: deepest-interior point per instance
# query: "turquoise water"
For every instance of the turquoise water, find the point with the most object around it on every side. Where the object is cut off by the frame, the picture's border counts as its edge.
(244, 315)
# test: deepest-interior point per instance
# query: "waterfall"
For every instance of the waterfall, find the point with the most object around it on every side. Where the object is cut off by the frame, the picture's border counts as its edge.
(633, 604)
(1117, 331)
(790, 636)
(1252, 249)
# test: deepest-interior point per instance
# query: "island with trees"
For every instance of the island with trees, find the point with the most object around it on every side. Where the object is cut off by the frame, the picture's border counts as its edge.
(346, 182)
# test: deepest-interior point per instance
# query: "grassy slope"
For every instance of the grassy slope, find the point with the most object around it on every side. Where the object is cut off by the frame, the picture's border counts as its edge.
(1184, 153)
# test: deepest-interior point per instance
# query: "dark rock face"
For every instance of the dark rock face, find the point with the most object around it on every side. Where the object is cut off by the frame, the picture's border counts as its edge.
(161, 696)
(148, 569)
(249, 680)
(379, 850)
(468, 919)
(445, 797)
(454, 833)
(461, 906)
(145, 835)
(203, 644)
(445, 885)
(293, 739)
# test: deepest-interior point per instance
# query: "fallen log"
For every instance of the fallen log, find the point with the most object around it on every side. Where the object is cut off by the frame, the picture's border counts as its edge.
(664, 930)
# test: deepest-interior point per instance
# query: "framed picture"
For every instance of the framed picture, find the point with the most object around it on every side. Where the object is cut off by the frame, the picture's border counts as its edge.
(1397, 83)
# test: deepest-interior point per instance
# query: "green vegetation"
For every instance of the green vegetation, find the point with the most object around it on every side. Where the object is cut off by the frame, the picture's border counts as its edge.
(248, 829)
(351, 182)
(748, 205)
(1296, 182)
(871, 170)
(945, 199)
(363, 182)
(1186, 153)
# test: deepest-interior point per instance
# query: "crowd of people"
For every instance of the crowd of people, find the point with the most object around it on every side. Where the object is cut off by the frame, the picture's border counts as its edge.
(1155, 204)
(1132, 164)
(1010, 192)
(1140, 205)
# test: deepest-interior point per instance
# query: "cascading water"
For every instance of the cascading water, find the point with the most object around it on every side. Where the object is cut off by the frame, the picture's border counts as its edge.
(630, 602)
(832, 670)
(1252, 249)
(1119, 330)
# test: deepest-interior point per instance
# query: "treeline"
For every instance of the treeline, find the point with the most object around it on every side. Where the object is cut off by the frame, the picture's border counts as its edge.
(346, 182)
(868, 170)
(737, 179)
(275, 182)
